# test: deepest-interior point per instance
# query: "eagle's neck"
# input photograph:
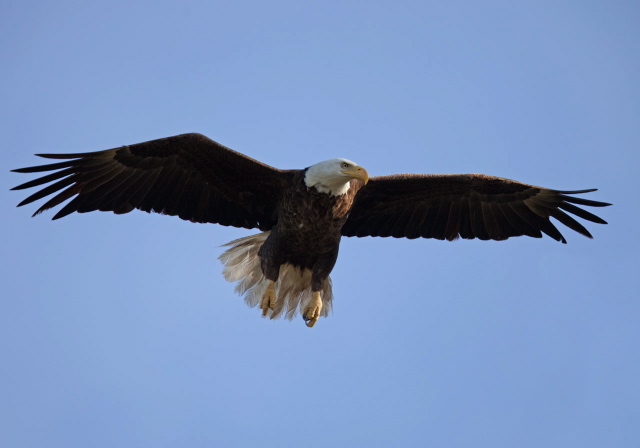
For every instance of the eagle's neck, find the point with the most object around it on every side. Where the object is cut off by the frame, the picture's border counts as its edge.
(325, 179)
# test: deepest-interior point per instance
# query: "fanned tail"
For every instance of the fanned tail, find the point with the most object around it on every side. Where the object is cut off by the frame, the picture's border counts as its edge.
(293, 288)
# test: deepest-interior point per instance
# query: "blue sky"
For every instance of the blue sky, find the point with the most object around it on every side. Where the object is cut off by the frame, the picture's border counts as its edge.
(120, 330)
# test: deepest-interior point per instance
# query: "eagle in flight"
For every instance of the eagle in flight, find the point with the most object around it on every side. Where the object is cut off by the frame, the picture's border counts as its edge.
(302, 214)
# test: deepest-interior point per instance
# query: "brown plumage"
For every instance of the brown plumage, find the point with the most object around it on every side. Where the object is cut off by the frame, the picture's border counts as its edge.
(303, 212)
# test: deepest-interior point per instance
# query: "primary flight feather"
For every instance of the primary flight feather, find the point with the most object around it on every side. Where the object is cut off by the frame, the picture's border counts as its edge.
(302, 213)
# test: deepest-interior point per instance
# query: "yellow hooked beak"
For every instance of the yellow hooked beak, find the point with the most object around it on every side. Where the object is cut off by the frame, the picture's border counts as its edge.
(357, 172)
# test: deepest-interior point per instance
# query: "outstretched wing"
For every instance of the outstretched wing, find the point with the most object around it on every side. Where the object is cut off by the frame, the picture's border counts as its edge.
(187, 175)
(463, 205)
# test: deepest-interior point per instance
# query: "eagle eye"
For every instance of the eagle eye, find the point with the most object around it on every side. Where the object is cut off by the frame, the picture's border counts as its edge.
(344, 165)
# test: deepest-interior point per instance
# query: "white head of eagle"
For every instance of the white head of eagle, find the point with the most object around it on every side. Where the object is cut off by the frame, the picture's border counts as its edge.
(333, 176)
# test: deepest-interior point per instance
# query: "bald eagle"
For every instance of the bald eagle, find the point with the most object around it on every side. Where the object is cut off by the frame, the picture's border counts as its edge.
(302, 214)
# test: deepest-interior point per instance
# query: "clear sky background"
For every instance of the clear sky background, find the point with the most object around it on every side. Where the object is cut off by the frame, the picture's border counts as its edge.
(119, 331)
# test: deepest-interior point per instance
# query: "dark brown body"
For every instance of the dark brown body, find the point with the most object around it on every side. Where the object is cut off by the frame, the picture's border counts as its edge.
(308, 231)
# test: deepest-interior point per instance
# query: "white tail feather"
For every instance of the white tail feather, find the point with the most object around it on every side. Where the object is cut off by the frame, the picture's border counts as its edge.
(293, 288)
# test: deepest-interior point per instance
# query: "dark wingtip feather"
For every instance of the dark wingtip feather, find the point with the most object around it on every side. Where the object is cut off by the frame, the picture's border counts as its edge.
(64, 156)
(45, 179)
(28, 169)
(66, 210)
(77, 155)
(570, 222)
(563, 195)
(588, 190)
(47, 167)
(581, 213)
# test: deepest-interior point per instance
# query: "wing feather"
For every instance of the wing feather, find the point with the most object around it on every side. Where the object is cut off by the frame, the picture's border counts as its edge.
(521, 226)
(504, 223)
(465, 231)
(58, 198)
(417, 218)
(70, 207)
(570, 222)
(372, 226)
(528, 216)
(494, 229)
(453, 221)
(581, 213)
(581, 201)
(46, 192)
(138, 196)
(430, 219)
(118, 197)
(401, 223)
(387, 228)
(46, 179)
(40, 168)
(477, 219)
(439, 229)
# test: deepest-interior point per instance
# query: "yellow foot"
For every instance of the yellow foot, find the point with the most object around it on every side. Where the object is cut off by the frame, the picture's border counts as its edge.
(268, 298)
(312, 310)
